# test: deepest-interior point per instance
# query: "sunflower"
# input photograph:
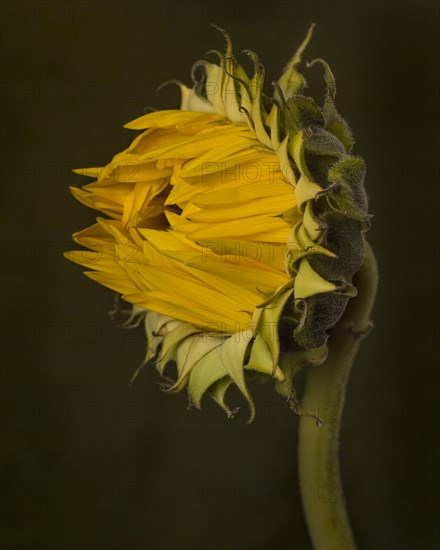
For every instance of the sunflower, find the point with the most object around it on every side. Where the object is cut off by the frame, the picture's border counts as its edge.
(233, 226)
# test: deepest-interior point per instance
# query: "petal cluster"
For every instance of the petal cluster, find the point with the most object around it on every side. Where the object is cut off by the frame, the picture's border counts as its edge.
(236, 222)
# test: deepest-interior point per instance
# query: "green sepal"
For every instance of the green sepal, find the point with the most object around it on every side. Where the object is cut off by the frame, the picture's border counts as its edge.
(152, 330)
(269, 321)
(226, 359)
(329, 77)
(284, 160)
(291, 365)
(189, 353)
(305, 191)
(232, 355)
(301, 112)
(258, 114)
(348, 194)
(170, 342)
(339, 128)
(305, 239)
(291, 81)
(261, 359)
(207, 371)
(295, 148)
(321, 142)
(200, 84)
(343, 237)
(334, 123)
(317, 315)
(308, 282)
(218, 391)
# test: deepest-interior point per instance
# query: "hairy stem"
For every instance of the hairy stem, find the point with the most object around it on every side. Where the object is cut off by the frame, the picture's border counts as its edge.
(319, 474)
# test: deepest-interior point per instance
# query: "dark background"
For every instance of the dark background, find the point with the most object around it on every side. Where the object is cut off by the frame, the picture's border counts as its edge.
(89, 463)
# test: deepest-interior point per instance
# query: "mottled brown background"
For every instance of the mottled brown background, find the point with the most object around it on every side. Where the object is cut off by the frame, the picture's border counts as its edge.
(93, 465)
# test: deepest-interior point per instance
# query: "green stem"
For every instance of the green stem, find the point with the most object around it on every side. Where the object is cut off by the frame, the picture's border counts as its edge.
(319, 475)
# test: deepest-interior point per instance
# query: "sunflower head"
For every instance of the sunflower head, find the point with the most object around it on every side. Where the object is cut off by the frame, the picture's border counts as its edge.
(233, 226)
